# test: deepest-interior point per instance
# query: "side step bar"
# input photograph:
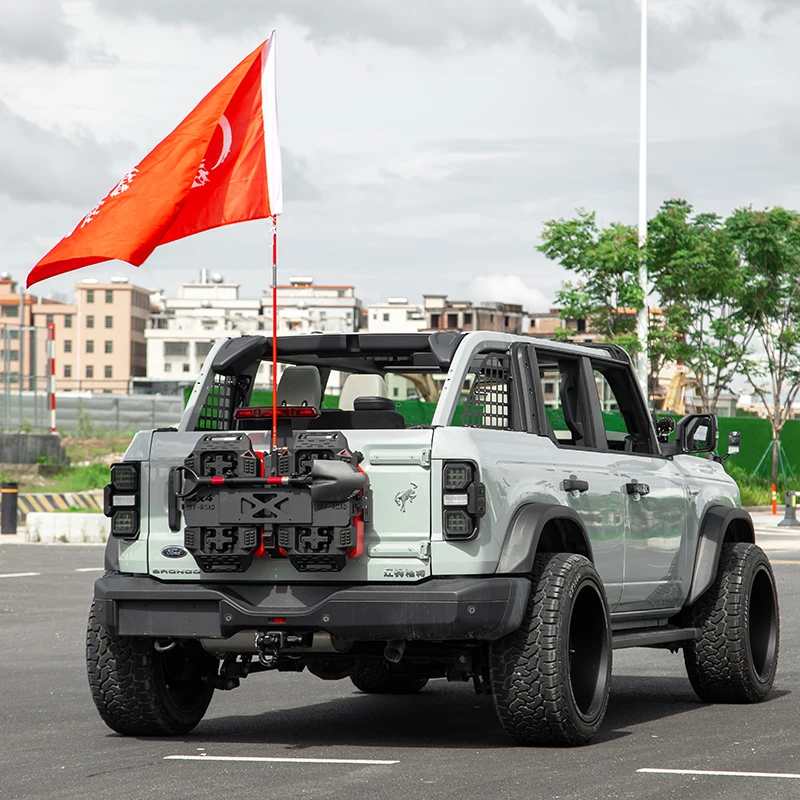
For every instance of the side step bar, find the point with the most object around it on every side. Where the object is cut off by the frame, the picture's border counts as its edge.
(653, 637)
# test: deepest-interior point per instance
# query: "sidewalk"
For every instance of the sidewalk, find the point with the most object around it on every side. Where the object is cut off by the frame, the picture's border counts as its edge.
(20, 537)
(769, 536)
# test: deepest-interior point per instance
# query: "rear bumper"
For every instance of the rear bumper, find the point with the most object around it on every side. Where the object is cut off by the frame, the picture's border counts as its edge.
(440, 608)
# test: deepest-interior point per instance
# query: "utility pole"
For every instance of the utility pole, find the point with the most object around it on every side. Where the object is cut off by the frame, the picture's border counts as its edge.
(642, 318)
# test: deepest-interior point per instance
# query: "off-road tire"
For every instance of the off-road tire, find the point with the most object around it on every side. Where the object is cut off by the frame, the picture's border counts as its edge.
(736, 657)
(551, 677)
(379, 677)
(141, 692)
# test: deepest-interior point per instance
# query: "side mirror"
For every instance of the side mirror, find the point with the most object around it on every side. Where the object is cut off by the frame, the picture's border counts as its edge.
(734, 439)
(696, 433)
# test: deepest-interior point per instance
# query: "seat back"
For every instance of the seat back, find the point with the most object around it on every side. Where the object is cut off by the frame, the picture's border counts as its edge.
(300, 386)
(361, 386)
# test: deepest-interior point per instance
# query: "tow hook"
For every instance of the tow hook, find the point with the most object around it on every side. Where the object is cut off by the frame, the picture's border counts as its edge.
(269, 643)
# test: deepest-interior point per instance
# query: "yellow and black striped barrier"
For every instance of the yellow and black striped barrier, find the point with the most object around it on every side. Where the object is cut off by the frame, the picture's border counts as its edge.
(58, 501)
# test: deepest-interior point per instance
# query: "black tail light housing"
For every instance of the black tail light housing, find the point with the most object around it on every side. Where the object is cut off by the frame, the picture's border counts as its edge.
(121, 499)
(463, 500)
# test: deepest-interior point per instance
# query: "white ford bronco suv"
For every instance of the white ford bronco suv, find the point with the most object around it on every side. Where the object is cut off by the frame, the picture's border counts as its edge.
(513, 534)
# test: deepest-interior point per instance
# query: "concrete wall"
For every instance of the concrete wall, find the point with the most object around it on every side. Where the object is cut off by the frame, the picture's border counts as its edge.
(66, 527)
(28, 448)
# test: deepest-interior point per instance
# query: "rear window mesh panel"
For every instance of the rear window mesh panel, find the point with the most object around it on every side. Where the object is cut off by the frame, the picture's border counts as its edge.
(489, 401)
(221, 400)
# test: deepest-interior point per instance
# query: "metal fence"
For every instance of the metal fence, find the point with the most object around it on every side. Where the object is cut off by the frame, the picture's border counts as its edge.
(85, 415)
(27, 380)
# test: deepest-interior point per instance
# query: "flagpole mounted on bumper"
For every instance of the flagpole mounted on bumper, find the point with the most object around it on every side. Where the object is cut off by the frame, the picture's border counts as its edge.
(272, 157)
(274, 439)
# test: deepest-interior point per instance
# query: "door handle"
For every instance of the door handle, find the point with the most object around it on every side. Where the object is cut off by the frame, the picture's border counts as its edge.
(572, 484)
(637, 488)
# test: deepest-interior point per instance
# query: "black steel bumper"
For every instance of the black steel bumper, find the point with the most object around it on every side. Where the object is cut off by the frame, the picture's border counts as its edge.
(440, 608)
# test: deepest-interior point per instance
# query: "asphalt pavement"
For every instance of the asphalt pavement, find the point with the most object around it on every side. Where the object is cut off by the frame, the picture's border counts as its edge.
(293, 736)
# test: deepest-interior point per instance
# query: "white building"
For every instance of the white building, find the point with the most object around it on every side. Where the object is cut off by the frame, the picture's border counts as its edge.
(183, 330)
(396, 315)
(304, 307)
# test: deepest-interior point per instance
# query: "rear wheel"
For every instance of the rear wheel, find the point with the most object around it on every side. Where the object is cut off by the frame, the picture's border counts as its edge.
(736, 657)
(379, 677)
(139, 691)
(551, 677)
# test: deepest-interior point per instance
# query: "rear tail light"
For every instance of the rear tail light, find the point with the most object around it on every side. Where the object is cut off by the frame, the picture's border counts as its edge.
(121, 499)
(463, 499)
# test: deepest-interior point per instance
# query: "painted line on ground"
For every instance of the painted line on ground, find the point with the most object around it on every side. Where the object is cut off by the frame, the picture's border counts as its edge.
(782, 561)
(277, 760)
(102, 569)
(723, 773)
(19, 574)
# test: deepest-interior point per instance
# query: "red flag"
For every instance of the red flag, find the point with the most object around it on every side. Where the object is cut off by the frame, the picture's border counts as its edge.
(219, 166)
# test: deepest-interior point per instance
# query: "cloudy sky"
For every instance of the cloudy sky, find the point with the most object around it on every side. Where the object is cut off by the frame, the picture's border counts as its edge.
(424, 141)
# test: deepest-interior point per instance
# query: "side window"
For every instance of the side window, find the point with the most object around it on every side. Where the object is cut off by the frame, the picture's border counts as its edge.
(564, 406)
(625, 425)
(487, 394)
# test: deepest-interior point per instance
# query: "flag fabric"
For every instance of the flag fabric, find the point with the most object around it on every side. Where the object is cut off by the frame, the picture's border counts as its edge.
(219, 166)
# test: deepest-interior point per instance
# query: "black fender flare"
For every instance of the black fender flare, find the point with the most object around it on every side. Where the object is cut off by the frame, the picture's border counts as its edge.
(111, 555)
(525, 530)
(714, 527)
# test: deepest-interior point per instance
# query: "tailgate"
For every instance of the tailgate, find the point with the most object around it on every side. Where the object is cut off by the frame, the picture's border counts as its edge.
(289, 538)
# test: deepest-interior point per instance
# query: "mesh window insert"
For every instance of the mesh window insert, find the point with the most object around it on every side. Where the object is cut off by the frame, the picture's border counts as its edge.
(217, 411)
(489, 402)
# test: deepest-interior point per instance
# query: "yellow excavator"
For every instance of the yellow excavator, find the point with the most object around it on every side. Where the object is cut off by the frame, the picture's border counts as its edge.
(674, 399)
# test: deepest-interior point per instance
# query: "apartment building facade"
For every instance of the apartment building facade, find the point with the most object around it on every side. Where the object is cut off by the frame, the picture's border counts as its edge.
(99, 339)
(445, 314)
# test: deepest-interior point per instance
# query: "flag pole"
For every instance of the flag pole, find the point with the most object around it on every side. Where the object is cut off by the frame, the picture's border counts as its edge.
(643, 315)
(274, 332)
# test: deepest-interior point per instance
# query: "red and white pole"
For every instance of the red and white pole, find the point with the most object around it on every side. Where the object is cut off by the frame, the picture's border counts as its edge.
(51, 390)
(274, 332)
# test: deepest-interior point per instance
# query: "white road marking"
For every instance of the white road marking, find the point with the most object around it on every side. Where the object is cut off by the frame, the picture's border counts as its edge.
(724, 773)
(273, 760)
(89, 569)
(19, 574)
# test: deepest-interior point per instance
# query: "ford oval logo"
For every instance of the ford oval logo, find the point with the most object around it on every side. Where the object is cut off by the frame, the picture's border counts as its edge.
(173, 551)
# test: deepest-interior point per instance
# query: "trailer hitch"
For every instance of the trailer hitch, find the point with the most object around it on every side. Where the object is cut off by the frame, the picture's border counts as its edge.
(269, 644)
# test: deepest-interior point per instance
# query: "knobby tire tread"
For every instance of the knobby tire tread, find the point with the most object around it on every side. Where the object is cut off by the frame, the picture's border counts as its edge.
(718, 664)
(123, 685)
(528, 685)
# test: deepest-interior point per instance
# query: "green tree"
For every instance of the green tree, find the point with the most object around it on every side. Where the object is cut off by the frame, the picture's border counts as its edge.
(606, 261)
(698, 276)
(768, 245)
(606, 292)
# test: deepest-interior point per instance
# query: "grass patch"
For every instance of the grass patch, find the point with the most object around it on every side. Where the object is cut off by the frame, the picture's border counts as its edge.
(76, 479)
(77, 510)
(755, 491)
(100, 446)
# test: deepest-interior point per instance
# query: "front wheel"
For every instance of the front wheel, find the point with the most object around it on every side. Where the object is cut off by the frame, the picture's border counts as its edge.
(551, 677)
(736, 657)
(140, 691)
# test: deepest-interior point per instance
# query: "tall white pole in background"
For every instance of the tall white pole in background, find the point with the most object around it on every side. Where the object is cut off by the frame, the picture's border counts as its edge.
(642, 318)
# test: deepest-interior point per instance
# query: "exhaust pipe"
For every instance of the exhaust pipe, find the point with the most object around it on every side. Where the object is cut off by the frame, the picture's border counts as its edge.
(394, 650)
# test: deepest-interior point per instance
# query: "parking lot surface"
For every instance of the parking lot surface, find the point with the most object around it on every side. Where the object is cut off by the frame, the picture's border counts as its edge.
(294, 736)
